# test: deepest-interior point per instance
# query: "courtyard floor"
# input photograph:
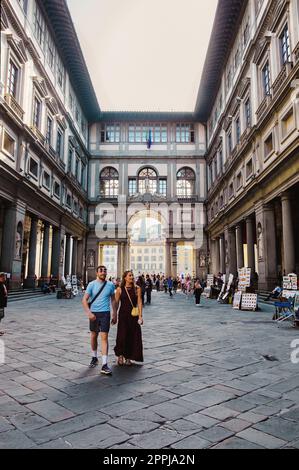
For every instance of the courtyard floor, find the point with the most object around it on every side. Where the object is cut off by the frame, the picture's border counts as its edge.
(205, 382)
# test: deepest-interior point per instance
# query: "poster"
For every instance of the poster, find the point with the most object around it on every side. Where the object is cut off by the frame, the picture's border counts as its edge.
(244, 278)
(237, 300)
(210, 280)
(249, 302)
(290, 282)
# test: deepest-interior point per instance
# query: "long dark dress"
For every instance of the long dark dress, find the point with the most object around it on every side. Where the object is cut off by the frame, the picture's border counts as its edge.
(128, 338)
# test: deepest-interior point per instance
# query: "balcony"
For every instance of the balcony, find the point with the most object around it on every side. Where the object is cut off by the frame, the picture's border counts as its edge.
(188, 199)
(263, 106)
(296, 54)
(280, 80)
(14, 106)
(38, 135)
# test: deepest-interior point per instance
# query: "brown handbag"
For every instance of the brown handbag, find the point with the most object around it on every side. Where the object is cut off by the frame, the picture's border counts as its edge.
(135, 310)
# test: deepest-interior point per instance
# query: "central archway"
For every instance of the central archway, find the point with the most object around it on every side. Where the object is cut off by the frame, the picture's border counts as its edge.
(147, 239)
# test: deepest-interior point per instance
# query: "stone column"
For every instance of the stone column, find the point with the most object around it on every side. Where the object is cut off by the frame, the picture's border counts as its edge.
(222, 254)
(239, 247)
(167, 259)
(288, 235)
(74, 256)
(232, 252)
(101, 254)
(67, 258)
(30, 281)
(57, 253)
(45, 254)
(119, 260)
(250, 245)
(214, 256)
(173, 253)
(126, 257)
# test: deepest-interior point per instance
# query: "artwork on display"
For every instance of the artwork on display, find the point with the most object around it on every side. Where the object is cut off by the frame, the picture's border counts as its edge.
(249, 302)
(237, 300)
(207, 292)
(288, 294)
(210, 280)
(74, 280)
(244, 278)
(230, 281)
(290, 282)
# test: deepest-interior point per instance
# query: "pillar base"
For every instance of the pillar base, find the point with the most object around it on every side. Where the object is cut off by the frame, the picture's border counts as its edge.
(30, 283)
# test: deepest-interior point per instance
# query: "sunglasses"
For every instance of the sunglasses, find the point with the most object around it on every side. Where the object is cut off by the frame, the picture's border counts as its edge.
(103, 270)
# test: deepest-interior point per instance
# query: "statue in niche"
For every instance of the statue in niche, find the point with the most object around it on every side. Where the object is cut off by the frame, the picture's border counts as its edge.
(91, 259)
(260, 242)
(202, 260)
(61, 252)
(18, 245)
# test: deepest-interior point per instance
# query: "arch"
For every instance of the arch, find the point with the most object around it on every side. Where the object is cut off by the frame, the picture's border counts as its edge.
(109, 182)
(147, 180)
(185, 182)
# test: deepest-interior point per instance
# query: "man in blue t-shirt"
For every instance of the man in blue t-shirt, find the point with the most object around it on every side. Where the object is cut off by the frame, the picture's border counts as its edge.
(99, 315)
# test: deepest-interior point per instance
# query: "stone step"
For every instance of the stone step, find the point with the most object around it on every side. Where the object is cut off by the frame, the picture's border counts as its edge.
(24, 294)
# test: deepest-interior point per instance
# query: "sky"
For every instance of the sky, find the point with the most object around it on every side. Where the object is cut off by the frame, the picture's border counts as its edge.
(144, 55)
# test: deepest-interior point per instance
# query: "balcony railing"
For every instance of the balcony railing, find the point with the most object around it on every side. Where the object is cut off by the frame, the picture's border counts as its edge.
(38, 134)
(263, 106)
(281, 77)
(14, 105)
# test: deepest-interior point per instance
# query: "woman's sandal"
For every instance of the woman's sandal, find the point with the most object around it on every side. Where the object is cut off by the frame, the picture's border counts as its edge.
(128, 362)
(120, 361)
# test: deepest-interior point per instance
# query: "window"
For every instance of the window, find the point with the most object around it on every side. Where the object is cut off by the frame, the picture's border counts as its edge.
(249, 169)
(83, 172)
(132, 186)
(248, 113)
(237, 59)
(185, 133)
(109, 182)
(56, 189)
(59, 145)
(229, 143)
(49, 130)
(110, 133)
(46, 180)
(220, 157)
(69, 201)
(77, 167)
(60, 73)
(70, 158)
(269, 145)
(288, 123)
(33, 167)
(23, 4)
(71, 102)
(239, 180)
(50, 51)
(163, 187)
(37, 105)
(285, 45)
(266, 79)
(9, 144)
(39, 25)
(231, 190)
(13, 75)
(185, 182)
(246, 35)
(147, 181)
(238, 130)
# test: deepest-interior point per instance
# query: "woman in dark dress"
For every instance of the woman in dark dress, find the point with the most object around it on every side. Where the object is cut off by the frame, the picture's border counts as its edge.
(129, 339)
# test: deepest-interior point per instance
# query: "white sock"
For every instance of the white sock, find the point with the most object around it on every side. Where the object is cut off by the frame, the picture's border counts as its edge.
(94, 353)
(104, 360)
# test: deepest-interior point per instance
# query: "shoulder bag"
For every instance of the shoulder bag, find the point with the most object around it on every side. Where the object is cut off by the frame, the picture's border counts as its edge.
(135, 310)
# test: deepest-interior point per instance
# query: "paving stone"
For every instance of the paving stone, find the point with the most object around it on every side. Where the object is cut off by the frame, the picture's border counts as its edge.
(97, 437)
(191, 442)
(50, 411)
(10, 407)
(158, 439)
(120, 409)
(209, 397)
(202, 420)
(252, 417)
(145, 415)
(133, 427)
(237, 443)
(279, 427)
(4, 425)
(240, 404)
(95, 401)
(260, 438)
(219, 412)
(154, 398)
(28, 421)
(68, 426)
(41, 375)
(15, 440)
(236, 425)
(215, 434)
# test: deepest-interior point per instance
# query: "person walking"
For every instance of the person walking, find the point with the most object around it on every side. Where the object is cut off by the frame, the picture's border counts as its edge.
(101, 294)
(197, 292)
(129, 338)
(3, 298)
(170, 286)
(141, 283)
(148, 289)
(175, 285)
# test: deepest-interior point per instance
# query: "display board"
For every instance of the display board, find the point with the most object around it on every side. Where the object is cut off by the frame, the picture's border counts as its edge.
(230, 281)
(288, 294)
(237, 300)
(210, 280)
(290, 282)
(249, 302)
(244, 278)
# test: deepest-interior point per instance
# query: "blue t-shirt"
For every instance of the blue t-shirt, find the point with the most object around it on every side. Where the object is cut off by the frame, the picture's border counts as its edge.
(102, 303)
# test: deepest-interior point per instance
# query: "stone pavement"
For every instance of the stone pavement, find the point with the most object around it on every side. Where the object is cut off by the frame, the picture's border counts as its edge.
(204, 384)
